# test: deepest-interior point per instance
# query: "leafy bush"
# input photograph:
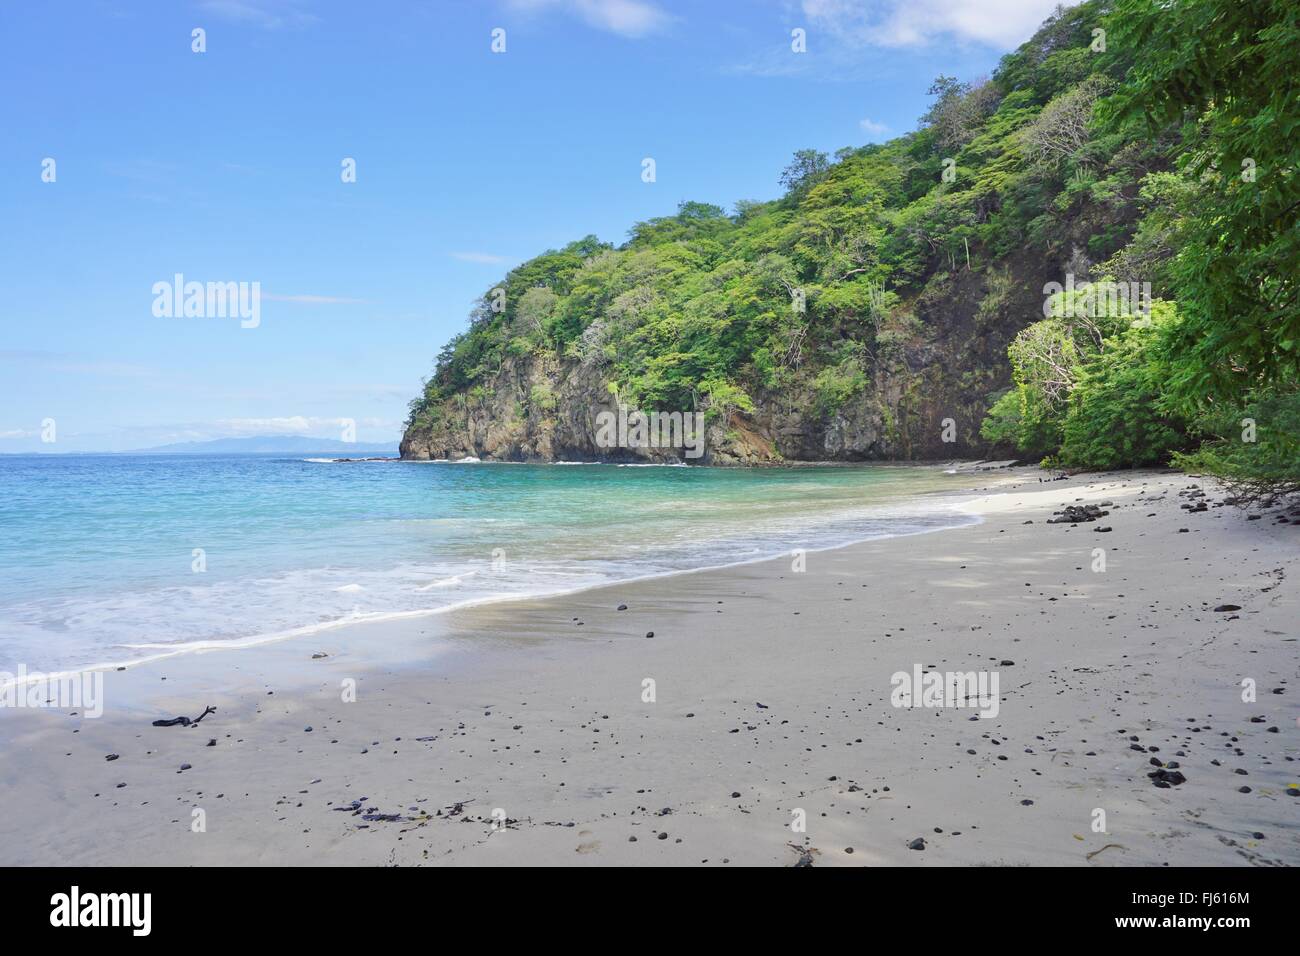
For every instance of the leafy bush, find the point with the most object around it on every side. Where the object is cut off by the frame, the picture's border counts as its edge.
(1115, 418)
(1254, 448)
(1088, 390)
(541, 398)
(1001, 424)
(837, 384)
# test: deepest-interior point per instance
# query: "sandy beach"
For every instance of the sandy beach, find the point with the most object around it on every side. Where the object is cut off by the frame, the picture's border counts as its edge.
(524, 733)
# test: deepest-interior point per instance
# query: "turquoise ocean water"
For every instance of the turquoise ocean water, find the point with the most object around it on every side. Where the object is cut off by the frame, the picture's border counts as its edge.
(98, 553)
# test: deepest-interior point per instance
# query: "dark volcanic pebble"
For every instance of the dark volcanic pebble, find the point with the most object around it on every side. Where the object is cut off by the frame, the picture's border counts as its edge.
(1167, 778)
(1074, 514)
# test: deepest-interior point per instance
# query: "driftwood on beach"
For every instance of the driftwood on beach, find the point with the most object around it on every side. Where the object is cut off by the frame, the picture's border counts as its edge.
(185, 721)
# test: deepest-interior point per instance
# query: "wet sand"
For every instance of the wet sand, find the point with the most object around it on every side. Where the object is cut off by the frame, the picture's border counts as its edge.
(521, 733)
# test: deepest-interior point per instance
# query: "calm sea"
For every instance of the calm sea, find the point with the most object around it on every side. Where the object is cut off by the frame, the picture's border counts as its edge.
(107, 559)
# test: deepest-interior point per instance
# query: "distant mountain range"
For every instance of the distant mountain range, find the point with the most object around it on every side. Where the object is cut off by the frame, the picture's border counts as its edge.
(272, 444)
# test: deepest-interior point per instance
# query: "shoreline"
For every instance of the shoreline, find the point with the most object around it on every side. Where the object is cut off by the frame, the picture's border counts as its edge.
(969, 466)
(179, 649)
(771, 685)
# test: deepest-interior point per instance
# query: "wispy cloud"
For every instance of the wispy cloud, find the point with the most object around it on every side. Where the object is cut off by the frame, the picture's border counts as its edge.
(840, 34)
(872, 128)
(627, 18)
(310, 425)
(911, 23)
(282, 425)
(483, 258)
(268, 14)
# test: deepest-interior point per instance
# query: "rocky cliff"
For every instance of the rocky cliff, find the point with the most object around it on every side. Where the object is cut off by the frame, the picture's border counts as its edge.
(865, 315)
(945, 369)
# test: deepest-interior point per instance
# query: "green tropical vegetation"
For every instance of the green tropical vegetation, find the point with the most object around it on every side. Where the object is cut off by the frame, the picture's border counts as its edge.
(1149, 147)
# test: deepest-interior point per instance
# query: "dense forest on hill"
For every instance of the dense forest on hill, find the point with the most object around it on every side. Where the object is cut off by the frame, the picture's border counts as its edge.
(951, 292)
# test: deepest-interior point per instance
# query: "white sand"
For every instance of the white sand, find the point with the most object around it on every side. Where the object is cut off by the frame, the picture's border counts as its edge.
(541, 717)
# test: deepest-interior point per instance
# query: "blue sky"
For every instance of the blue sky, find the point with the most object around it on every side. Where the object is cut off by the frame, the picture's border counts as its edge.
(225, 166)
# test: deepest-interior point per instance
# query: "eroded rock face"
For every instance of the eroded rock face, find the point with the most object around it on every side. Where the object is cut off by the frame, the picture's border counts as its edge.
(507, 425)
(946, 365)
